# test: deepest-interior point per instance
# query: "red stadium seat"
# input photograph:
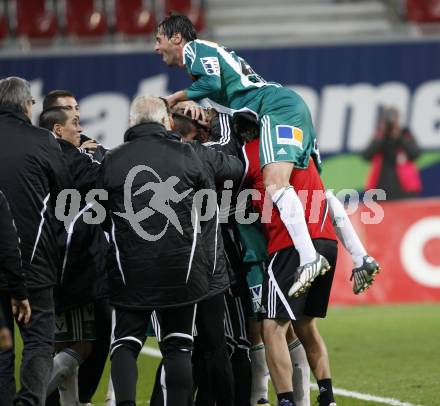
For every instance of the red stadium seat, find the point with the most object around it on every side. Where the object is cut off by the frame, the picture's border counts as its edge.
(423, 11)
(192, 8)
(135, 17)
(3, 22)
(86, 18)
(36, 18)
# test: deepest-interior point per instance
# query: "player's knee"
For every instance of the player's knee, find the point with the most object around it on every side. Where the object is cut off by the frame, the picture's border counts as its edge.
(126, 343)
(274, 328)
(176, 343)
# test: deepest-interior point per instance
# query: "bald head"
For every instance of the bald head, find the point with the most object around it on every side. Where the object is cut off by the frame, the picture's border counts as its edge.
(148, 109)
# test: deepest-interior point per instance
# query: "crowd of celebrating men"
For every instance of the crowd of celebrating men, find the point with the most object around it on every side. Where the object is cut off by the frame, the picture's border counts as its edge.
(229, 301)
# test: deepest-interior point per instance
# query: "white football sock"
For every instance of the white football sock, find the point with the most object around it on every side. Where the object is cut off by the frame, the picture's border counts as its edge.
(69, 391)
(260, 374)
(301, 374)
(65, 363)
(292, 215)
(344, 229)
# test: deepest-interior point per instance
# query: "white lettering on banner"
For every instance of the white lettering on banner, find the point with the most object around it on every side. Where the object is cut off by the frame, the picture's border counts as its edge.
(411, 251)
(359, 104)
(37, 94)
(426, 114)
(156, 85)
(345, 116)
(105, 117)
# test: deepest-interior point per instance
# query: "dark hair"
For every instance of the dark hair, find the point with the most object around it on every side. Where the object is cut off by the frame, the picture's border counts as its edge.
(52, 116)
(183, 124)
(177, 23)
(51, 98)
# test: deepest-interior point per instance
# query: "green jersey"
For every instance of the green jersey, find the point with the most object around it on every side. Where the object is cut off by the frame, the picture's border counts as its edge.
(221, 75)
(286, 129)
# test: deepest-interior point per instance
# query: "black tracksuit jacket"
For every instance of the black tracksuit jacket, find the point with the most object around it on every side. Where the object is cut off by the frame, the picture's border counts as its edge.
(32, 172)
(219, 167)
(153, 272)
(12, 279)
(83, 247)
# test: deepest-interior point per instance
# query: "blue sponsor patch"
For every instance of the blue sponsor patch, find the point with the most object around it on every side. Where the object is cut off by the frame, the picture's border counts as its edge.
(289, 135)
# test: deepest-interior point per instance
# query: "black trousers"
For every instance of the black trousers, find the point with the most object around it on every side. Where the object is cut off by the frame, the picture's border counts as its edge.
(238, 310)
(212, 370)
(90, 372)
(36, 364)
(176, 345)
(212, 367)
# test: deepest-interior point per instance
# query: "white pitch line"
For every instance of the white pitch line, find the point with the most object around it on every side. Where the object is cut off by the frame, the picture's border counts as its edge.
(365, 396)
(154, 352)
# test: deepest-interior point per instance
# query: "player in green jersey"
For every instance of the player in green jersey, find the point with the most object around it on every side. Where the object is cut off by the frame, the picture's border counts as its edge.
(287, 137)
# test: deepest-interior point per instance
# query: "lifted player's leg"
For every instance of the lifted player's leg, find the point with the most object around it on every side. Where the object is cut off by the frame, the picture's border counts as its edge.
(365, 266)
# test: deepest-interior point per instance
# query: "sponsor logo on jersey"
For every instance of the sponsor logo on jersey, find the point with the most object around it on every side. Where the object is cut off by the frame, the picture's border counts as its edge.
(211, 65)
(288, 135)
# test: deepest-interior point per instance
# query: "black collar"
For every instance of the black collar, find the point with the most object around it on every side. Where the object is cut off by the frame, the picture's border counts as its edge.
(7, 113)
(144, 130)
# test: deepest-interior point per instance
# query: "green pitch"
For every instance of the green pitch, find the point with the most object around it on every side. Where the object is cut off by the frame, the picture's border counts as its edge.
(385, 351)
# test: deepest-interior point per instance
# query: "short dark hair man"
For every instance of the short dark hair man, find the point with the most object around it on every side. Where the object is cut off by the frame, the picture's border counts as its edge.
(84, 248)
(32, 172)
(161, 264)
(90, 371)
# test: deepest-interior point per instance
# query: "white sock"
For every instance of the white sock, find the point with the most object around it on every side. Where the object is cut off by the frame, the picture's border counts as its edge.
(69, 391)
(292, 215)
(110, 398)
(344, 229)
(301, 374)
(65, 363)
(260, 373)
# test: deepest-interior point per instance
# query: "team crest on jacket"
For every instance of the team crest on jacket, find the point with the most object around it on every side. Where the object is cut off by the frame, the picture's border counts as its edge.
(163, 193)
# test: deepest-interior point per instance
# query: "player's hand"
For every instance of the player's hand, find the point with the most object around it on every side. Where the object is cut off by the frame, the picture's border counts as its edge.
(89, 144)
(5, 339)
(175, 98)
(21, 309)
(193, 110)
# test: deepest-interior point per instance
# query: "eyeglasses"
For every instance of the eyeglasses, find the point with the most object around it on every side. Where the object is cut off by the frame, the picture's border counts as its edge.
(32, 101)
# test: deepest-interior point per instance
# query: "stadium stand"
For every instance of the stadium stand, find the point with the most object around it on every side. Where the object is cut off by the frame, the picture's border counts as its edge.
(233, 22)
(3, 21)
(194, 9)
(427, 11)
(35, 18)
(135, 17)
(86, 18)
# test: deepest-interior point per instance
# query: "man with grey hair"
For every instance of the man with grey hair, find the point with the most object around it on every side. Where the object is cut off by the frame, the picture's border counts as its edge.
(161, 264)
(32, 171)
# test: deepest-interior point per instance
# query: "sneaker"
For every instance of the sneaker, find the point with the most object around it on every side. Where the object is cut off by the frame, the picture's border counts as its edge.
(364, 275)
(307, 274)
(263, 402)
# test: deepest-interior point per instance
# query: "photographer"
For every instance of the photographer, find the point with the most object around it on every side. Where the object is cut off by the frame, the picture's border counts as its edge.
(392, 153)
